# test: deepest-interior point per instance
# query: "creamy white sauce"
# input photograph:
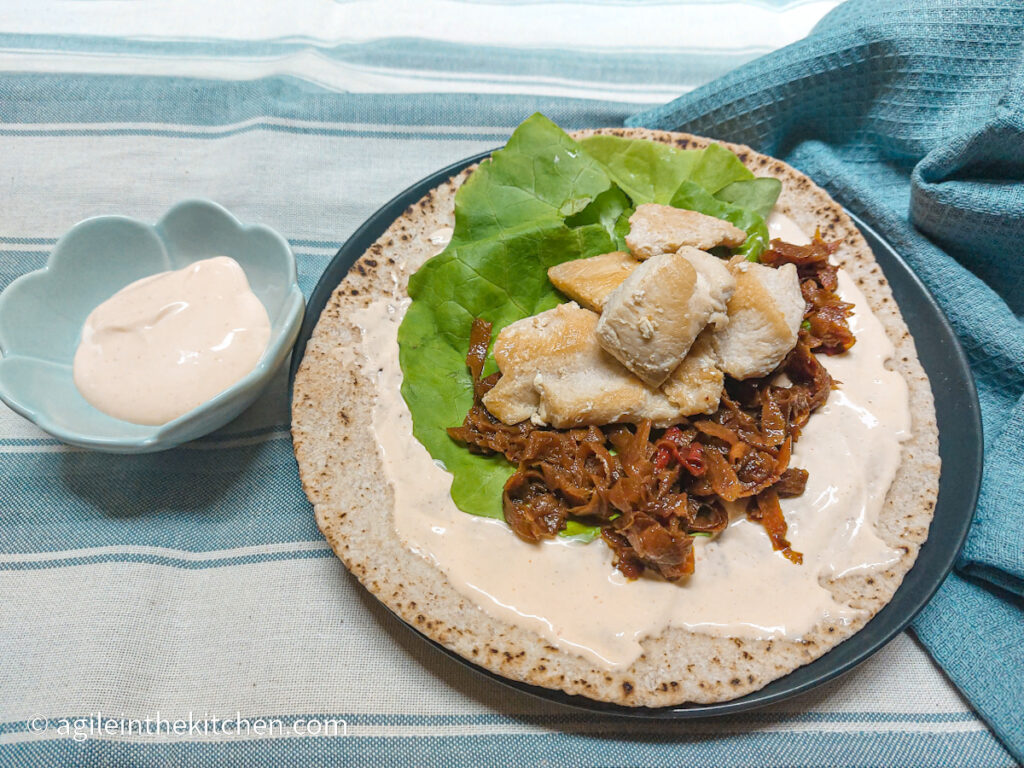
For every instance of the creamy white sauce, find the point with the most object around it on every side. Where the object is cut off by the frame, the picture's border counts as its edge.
(441, 237)
(781, 226)
(164, 344)
(570, 594)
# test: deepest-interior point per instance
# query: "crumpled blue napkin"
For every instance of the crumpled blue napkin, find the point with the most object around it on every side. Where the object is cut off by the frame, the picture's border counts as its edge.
(911, 113)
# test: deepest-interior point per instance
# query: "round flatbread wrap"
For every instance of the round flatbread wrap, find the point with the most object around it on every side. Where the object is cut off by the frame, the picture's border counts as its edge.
(343, 475)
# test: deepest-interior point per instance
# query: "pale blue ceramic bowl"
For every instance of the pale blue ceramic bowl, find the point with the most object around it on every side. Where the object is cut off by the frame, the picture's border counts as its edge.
(41, 317)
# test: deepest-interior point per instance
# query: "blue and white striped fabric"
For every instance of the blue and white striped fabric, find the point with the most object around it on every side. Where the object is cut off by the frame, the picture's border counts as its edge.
(194, 585)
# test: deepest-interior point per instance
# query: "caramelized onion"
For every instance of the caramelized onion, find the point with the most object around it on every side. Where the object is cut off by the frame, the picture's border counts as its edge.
(531, 508)
(649, 491)
(765, 508)
(826, 327)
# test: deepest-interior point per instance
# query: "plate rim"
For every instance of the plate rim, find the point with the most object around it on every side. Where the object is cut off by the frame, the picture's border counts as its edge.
(378, 222)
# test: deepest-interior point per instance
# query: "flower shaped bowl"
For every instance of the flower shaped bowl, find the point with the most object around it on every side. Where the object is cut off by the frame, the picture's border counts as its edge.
(41, 317)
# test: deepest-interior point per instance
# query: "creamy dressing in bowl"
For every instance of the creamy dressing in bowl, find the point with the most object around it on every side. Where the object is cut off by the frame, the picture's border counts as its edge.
(169, 342)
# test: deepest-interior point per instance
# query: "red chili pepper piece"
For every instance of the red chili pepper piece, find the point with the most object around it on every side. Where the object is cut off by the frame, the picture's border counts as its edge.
(662, 458)
(694, 460)
(668, 451)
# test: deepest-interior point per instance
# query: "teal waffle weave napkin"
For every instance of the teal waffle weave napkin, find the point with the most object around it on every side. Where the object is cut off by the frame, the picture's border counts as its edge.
(912, 115)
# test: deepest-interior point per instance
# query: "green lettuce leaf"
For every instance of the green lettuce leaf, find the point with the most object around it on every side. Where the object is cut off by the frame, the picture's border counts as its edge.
(574, 529)
(758, 195)
(542, 200)
(611, 209)
(507, 234)
(695, 198)
(697, 179)
(717, 167)
(561, 180)
(646, 171)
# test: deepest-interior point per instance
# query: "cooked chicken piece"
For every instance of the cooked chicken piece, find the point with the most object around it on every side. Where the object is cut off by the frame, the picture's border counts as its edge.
(554, 372)
(721, 283)
(695, 386)
(589, 281)
(765, 314)
(658, 229)
(650, 321)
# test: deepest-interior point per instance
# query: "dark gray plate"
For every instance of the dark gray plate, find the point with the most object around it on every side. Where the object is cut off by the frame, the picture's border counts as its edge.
(960, 445)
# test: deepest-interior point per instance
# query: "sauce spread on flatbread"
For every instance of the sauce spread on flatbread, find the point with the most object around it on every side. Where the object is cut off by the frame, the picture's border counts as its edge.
(571, 594)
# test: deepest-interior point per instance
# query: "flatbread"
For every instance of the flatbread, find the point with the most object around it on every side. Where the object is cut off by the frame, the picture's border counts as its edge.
(344, 479)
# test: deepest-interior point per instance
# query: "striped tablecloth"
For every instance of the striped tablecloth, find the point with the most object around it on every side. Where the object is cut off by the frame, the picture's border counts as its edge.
(192, 588)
